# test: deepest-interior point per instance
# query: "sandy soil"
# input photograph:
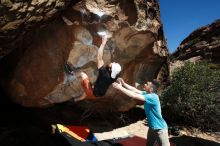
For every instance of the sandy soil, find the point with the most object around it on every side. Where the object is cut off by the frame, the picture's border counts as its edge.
(108, 129)
(138, 129)
(188, 136)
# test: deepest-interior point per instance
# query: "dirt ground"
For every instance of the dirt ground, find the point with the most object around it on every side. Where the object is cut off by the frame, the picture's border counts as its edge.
(139, 128)
(133, 123)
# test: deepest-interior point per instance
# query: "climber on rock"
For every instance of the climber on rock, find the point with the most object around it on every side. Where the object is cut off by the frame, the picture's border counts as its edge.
(106, 76)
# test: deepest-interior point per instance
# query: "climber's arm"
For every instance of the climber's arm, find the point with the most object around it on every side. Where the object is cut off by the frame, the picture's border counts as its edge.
(100, 61)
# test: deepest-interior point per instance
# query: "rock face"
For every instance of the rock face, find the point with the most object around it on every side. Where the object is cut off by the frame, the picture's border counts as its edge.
(17, 18)
(203, 42)
(33, 75)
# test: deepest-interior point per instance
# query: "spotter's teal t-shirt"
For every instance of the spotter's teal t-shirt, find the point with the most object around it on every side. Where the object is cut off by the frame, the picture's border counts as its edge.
(153, 111)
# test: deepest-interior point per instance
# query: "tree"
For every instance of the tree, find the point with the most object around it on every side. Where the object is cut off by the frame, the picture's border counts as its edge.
(193, 96)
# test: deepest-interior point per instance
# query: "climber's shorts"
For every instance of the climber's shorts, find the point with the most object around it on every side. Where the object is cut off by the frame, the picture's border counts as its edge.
(88, 89)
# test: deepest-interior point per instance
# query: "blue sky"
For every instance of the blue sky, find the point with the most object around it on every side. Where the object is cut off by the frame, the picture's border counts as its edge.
(181, 17)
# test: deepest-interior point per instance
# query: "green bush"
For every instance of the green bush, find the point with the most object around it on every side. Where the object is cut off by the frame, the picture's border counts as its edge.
(193, 96)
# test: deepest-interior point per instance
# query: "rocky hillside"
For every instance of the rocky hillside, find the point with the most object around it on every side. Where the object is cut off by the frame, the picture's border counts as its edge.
(203, 42)
(36, 42)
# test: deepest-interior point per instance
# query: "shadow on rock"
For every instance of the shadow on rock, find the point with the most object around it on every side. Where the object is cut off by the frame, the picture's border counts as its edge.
(103, 122)
(67, 113)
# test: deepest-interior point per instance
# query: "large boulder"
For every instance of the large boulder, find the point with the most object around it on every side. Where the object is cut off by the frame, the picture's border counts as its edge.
(33, 75)
(18, 18)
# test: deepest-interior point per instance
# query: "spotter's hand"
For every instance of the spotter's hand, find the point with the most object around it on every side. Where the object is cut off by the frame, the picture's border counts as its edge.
(120, 80)
(116, 85)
